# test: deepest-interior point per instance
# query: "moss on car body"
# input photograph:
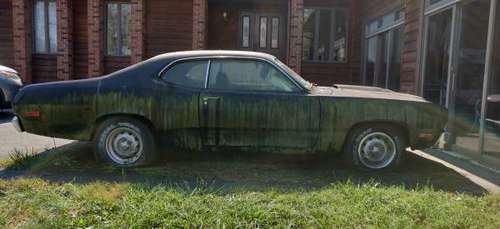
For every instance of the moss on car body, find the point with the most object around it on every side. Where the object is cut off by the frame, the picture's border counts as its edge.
(316, 119)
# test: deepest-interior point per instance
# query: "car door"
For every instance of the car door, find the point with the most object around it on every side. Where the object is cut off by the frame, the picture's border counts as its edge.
(177, 102)
(251, 103)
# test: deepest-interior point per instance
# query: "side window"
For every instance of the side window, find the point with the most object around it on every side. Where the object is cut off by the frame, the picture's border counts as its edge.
(189, 74)
(250, 75)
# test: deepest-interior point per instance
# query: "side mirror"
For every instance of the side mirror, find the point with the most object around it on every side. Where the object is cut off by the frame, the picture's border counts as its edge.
(494, 98)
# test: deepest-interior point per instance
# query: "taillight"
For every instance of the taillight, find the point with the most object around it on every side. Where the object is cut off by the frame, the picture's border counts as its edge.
(32, 114)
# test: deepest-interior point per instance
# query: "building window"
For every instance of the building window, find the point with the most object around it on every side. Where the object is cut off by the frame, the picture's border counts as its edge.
(117, 29)
(45, 23)
(383, 48)
(325, 35)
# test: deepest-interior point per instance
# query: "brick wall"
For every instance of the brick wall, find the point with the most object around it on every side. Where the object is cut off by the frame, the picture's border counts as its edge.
(64, 39)
(95, 41)
(199, 24)
(21, 26)
(295, 34)
(80, 40)
(137, 31)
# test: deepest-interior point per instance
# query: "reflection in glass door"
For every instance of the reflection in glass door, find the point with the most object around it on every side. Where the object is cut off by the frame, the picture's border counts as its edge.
(437, 56)
(465, 101)
(454, 67)
(492, 122)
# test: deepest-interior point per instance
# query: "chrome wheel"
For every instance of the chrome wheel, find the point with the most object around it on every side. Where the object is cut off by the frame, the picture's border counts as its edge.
(124, 145)
(376, 150)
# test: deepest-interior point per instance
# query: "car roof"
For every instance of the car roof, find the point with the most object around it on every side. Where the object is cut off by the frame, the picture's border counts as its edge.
(208, 53)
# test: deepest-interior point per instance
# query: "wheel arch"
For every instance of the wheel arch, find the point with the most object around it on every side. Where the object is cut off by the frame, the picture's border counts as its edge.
(402, 127)
(137, 117)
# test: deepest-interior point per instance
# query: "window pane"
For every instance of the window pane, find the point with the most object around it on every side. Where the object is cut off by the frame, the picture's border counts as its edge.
(40, 29)
(248, 75)
(189, 74)
(371, 56)
(275, 33)
(340, 42)
(112, 30)
(308, 33)
(246, 32)
(395, 64)
(437, 57)
(125, 27)
(263, 32)
(53, 26)
(322, 50)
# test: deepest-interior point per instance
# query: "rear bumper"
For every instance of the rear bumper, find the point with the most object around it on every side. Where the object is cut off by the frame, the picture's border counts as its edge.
(17, 124)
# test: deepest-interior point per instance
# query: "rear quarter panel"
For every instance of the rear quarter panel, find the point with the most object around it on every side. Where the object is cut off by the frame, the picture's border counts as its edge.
(66, 108)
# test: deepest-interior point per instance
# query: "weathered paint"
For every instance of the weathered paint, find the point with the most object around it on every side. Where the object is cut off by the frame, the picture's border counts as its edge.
(309, 121)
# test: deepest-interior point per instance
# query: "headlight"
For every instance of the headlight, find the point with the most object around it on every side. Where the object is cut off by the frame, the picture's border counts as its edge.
(9, 75)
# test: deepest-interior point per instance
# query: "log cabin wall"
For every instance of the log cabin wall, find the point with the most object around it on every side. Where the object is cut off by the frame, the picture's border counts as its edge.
(168, 26)
(6, 41)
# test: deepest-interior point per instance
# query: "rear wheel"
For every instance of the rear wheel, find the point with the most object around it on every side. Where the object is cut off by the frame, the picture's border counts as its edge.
(125, 142)
(375, 147)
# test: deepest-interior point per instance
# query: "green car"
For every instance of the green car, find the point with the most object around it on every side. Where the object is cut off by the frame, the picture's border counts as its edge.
(227, 100)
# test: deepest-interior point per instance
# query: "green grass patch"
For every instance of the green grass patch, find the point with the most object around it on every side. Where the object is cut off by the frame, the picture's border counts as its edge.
(38, 203)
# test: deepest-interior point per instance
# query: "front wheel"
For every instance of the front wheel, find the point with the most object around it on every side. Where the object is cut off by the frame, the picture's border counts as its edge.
(124, 142)
(375, 148)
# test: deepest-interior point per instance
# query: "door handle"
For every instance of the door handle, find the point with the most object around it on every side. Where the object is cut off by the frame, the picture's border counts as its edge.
(206, 99)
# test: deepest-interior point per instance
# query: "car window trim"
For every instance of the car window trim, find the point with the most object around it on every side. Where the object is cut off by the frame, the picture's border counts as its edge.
(299, 89)
(172, 64)
(164, 69)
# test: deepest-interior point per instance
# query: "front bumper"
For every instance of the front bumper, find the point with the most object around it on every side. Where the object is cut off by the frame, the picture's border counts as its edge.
(17, 124)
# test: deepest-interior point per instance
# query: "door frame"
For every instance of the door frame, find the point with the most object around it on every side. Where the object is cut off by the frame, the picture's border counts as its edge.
(254, 33)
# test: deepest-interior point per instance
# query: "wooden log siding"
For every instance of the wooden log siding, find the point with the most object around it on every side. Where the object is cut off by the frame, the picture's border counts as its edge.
(169, 26)
(6, 43)
(44, 68)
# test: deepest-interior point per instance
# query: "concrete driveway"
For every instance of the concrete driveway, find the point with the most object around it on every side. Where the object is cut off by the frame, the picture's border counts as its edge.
(10, 139)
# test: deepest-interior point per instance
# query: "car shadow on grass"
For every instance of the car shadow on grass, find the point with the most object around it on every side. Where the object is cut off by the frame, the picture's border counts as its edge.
(229, 171)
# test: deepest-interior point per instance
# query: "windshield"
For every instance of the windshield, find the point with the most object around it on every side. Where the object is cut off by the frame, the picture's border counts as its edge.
(304, 83)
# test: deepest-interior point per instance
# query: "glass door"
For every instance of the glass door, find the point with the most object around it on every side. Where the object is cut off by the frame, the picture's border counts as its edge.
(454, 66)
(467, 87)
(492, 122)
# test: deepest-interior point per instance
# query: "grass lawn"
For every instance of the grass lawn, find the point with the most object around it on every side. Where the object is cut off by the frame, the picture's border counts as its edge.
(240, 192)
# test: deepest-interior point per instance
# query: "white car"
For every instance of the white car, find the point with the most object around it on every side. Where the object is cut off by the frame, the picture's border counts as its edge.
(10, 82)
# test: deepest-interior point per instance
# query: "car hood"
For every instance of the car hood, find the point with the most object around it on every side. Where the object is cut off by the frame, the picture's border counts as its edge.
(365, 92)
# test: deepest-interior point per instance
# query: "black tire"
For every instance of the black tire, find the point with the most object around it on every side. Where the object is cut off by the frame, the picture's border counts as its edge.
(124, 142)
(362, 148)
